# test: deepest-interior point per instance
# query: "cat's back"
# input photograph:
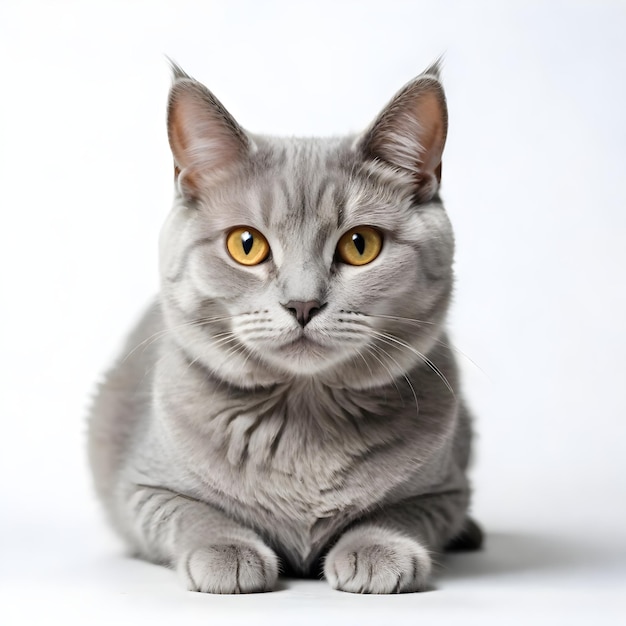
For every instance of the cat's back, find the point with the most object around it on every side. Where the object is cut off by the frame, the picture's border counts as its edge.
(122, 402)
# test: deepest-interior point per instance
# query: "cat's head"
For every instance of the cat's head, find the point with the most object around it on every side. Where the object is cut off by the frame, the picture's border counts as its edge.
(328, 258)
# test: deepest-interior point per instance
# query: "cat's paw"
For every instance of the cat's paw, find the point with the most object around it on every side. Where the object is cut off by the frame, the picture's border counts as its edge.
(377, 560)
(230, 567)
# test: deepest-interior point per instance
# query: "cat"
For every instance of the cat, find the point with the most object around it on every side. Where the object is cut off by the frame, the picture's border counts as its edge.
(290, 402)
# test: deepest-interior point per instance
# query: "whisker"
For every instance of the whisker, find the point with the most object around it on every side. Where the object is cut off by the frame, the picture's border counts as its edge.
(359, 353)
(224, 340)
(392, 378)
(417, 322)
(405, 376)
(202, 321)
(401, 319)
(241, 348)
(391, 339)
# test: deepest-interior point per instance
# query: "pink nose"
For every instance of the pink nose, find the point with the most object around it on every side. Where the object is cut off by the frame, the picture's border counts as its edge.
(303, 311)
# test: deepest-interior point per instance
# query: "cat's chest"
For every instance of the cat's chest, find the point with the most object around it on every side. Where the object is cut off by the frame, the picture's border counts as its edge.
(299, 466)
(298, 492)
(294, 459)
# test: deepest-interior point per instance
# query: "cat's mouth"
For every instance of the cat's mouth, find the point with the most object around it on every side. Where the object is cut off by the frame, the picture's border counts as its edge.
(302, 354)
(302, 342)
(303, 348)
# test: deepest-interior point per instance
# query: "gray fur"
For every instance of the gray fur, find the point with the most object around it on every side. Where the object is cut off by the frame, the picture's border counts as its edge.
(225, 445)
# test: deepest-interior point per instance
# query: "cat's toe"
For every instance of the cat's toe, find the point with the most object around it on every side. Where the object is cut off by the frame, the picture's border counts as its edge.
(376, 560)
(229, 568)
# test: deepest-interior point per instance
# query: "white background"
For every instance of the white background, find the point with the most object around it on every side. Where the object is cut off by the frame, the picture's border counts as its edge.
(534, 182)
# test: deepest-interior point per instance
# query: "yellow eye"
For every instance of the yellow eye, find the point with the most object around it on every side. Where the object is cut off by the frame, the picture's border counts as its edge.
(247, 246)
(360, 246)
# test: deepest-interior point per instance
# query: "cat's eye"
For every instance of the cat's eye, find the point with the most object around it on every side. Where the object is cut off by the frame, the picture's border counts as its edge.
(360, 245)
(247, 246)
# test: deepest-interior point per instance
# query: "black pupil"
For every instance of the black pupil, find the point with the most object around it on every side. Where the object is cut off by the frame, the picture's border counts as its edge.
(247, 241)
(359, 242)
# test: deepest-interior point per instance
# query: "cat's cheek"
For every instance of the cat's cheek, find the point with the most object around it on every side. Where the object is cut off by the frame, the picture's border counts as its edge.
(216, 276)
(374, 286)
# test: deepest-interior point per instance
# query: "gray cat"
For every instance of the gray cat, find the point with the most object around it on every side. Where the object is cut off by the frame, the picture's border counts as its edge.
(290, 401)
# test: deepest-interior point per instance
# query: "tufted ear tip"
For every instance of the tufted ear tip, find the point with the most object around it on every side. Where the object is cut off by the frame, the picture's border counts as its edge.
(177, 71)
(434, 69)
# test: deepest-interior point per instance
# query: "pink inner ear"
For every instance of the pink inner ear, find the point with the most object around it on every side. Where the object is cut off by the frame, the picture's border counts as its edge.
(199, 136)
(410, 134)
(203, 137)
(433, 132)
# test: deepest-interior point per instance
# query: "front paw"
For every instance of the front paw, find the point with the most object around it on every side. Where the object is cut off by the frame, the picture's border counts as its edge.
(377, 560)
(230, 567)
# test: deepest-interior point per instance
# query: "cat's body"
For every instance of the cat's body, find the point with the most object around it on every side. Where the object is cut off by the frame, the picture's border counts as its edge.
(269, 410)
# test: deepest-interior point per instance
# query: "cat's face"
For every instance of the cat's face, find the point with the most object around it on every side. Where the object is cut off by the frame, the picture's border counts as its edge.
(307, 257)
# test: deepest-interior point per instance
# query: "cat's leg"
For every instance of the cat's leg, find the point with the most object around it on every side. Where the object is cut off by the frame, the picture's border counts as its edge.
(211, 552)
(390, 550)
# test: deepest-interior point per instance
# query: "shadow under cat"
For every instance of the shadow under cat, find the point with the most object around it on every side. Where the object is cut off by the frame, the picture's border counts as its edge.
(511, 554)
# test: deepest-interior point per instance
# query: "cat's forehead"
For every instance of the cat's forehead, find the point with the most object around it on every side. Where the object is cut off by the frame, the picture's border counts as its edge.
(316, 183)
(305, 180)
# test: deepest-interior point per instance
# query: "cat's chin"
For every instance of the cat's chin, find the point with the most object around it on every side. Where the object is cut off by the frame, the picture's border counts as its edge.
(304, 356)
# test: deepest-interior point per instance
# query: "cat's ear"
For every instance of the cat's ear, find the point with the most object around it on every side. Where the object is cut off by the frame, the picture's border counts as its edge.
(410, 132)
(205, 139)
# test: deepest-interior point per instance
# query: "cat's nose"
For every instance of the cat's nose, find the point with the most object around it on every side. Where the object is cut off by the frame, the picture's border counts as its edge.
(303, 311)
